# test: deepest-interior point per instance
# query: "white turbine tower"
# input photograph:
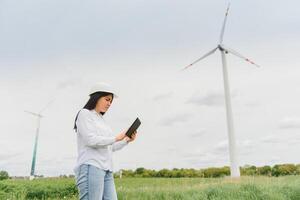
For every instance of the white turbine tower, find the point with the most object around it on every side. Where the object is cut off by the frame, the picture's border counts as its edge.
(234, 167)
(39, 116)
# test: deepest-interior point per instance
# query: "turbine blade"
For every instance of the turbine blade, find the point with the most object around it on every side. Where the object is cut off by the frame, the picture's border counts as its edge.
(47, 105)
(32, 113)
(240, 56)
(204, 56)
(224, 24)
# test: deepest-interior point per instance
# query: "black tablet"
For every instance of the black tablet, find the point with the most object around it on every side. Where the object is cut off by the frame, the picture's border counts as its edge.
(134, 126)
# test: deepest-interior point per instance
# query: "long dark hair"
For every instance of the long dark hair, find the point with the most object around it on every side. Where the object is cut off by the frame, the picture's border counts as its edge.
(91, 104)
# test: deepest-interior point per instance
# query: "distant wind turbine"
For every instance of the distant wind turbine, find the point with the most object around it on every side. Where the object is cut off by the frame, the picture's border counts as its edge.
(39, 116)
(234, 167)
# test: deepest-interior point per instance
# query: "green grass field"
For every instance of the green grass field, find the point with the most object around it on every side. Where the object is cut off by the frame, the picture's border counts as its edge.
(258, 188)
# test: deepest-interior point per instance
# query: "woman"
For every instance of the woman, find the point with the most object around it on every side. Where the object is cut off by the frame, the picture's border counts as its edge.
(96, 143)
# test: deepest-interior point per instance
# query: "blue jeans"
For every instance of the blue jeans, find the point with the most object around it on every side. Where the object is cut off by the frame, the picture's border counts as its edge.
(94, 183)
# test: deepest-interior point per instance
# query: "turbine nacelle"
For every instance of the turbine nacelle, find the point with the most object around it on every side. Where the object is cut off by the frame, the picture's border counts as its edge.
(34, 114)
(221, 48)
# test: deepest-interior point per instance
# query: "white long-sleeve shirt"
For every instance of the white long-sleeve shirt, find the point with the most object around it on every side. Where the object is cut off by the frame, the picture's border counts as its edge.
(95, 141)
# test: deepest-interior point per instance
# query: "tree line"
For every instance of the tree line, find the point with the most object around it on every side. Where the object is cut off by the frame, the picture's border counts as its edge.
(213, 172)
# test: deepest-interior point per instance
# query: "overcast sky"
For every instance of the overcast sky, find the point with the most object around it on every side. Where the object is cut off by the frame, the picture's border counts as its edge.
(58, 49)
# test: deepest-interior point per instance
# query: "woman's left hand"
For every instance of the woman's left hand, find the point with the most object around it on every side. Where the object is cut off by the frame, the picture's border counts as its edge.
(133, 136)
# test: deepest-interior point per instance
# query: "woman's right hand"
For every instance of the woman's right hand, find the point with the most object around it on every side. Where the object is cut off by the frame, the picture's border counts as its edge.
(120, 136)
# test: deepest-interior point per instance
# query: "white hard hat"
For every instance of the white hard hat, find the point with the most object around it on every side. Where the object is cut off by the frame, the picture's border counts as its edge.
(102, 87)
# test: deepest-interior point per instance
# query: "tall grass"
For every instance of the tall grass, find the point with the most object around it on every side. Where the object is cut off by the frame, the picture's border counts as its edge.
(247, 188)
(258, 188)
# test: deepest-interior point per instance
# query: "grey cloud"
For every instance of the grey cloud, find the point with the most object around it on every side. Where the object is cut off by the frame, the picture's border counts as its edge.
(196, 152)
(205, 159)
(9, 153)
(244, 147)
(279, 139)
(218, 152)
(194, 155)
(252, 104)
(48, 161)
(170, 121)
(8, 156)
(271, 139)
(296, 141)
(199, 133)
(275, 159)
(221, 148)
(163, 96)
(213, 98)
(289, 123)
(68, 83)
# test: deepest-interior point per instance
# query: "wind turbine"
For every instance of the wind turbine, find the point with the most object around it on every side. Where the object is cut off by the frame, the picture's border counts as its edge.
(234, 167)
(39, 116)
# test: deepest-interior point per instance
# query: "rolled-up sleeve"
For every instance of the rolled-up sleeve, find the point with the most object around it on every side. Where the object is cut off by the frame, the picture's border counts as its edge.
(119, 145)
(88, 131)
